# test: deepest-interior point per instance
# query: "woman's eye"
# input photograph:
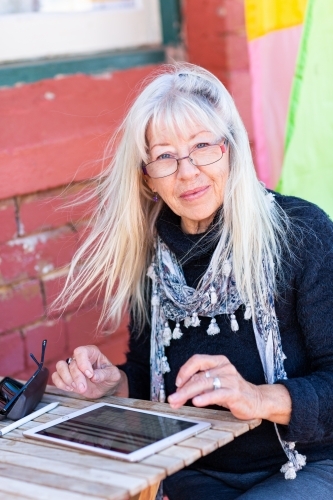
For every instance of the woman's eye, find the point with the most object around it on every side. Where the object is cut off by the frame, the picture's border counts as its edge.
(164, 156)
(202, 145)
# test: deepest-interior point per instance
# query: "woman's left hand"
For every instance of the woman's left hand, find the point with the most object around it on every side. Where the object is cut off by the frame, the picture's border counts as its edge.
(244, 400)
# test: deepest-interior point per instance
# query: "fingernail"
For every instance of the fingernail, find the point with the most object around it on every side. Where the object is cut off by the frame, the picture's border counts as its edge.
(69, 388)
(96, 378)
(88, 373)
(81, 387)
(74, 385)
(178, 382)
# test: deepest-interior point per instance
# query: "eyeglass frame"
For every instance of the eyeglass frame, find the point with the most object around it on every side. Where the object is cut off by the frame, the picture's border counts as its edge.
(223, 150)
(10, 404)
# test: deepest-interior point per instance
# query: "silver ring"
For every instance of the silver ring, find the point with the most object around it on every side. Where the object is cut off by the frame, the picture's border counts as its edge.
(69, 360)
(216, 383)
(207, 374)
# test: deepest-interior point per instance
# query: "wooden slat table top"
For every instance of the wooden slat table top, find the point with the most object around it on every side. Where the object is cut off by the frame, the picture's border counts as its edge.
(31, 469)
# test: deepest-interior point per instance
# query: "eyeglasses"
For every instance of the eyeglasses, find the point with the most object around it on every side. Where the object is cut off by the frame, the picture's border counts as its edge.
(11, 390)
(167, 164)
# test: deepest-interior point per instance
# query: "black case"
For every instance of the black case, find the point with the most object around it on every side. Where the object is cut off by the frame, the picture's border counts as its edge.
(30, 398)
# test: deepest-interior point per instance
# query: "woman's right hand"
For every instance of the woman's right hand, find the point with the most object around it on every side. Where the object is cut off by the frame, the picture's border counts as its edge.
(90, 374)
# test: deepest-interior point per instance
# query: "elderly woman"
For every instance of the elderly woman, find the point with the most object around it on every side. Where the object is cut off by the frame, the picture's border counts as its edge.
(229, 288)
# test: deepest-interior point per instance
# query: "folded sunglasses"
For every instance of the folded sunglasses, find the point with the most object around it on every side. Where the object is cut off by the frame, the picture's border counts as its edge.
(18, 400)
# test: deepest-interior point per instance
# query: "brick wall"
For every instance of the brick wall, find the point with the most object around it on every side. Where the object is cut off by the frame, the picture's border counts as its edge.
(53, 133)
(37, 240)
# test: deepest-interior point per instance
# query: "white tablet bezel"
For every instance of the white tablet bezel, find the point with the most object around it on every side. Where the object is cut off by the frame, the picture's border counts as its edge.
(134, 456)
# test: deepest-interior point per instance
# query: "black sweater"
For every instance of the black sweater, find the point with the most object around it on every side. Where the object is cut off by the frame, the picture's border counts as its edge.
(305, 314)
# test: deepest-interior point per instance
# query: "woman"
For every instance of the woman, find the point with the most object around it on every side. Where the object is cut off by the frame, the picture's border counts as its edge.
(238, 287)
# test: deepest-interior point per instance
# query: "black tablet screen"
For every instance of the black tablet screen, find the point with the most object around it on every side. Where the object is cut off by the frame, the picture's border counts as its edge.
(116, 429)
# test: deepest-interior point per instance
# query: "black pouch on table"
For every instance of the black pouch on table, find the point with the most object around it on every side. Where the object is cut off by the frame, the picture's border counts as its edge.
(18, 400)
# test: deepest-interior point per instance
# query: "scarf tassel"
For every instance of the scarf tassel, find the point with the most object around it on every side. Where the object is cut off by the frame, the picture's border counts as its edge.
(187, 321)
(161, 396)
(165, 365)
(213, 328)
(289, 469)
(233, 323)
(248, 312)
(195, 321)
(177, 333)
(167, 334)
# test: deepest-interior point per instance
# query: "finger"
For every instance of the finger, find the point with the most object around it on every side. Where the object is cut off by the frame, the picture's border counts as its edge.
(79, 379)
(218, 397)
(198, 362)
(85, 357)
(58, 382)
(198, 384)
(108, 373)
(64, 373)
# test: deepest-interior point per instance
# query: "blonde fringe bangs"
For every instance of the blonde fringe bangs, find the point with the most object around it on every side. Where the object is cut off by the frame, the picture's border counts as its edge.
(118, 249)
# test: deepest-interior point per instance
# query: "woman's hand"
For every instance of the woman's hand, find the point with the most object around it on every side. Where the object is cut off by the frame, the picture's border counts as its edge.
(243, 399)
(91, 374)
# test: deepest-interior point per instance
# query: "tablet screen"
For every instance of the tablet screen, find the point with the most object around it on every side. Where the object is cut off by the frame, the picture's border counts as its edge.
(116, 429)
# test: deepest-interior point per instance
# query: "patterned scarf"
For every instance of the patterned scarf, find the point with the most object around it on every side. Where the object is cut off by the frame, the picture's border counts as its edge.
(173, 300)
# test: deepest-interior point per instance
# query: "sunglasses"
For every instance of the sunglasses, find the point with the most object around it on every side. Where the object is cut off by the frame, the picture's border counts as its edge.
(18, 400)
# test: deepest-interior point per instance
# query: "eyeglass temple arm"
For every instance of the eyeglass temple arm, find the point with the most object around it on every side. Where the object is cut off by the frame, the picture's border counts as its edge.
(40, 365)
(43, 352)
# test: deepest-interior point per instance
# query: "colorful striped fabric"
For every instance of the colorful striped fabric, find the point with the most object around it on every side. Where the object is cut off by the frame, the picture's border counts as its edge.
(291, 60)
(274, 30)
(308, 162)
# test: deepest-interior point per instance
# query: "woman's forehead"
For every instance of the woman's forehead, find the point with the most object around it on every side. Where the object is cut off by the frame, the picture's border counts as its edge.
(163, 133)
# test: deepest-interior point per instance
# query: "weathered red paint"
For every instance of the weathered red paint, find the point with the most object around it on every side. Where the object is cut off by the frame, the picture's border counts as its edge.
(52, 209)
(12, 355)
(55, 131)
(8, 228)
(35, 255)
(54, 332)
(20, 305)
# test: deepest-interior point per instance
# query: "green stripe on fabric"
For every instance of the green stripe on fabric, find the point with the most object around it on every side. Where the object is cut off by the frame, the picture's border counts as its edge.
(10, 74)
(308, 162)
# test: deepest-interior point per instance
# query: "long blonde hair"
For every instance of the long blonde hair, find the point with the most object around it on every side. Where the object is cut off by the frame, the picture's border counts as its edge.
(118, 249)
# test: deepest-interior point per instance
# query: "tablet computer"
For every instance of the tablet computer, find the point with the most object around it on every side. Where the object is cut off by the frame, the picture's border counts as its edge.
(117, 431)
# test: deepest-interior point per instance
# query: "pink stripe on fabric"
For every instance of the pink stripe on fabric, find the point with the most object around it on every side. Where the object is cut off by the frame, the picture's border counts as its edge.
(272, 66)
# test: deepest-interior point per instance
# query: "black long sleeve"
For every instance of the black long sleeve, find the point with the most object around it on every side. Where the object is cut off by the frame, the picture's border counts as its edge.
(312, 394)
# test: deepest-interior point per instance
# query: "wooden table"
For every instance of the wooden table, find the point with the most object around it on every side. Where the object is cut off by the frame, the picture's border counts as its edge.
(41, 471)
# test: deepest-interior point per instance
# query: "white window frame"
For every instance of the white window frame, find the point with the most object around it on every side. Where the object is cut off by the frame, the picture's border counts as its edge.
(29, 36)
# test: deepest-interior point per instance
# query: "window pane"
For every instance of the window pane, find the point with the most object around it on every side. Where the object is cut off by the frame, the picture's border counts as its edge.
(19, 6)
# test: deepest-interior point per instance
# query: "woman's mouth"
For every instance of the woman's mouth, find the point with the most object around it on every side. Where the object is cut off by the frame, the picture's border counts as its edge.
(193, 194)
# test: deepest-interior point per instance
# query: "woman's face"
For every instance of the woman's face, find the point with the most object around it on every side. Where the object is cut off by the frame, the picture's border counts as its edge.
(193, 193)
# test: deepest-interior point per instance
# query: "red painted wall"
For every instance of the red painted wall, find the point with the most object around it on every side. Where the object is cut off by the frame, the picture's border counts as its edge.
(53, 133)
(215, 37)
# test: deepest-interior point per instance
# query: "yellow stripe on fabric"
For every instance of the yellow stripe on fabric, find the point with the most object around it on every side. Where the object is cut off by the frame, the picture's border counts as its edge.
(265, 16)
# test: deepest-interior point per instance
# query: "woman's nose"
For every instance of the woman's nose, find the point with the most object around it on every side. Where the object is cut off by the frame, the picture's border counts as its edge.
(186, 169)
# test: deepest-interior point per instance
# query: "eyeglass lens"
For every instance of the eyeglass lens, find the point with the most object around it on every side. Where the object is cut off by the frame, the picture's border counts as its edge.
(199, 157)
